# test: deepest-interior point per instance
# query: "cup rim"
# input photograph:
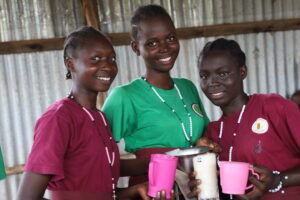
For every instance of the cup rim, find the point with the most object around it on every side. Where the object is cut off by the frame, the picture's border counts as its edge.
(234, 162)
(163, 156)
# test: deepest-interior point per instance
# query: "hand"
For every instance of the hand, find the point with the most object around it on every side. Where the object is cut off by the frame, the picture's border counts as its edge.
(193, 183)
(267, 181)
(161, 195)
(206, 142)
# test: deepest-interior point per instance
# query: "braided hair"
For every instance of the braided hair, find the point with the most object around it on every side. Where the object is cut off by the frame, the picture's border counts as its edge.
(222, 44)
(144, 13)
(75, 40)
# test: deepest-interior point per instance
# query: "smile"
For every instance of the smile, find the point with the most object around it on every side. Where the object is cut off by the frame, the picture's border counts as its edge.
(103, 78)
(217, 95)
(165, 59)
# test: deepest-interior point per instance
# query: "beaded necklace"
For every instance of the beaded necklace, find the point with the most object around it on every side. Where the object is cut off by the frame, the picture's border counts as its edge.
(235, 132)
(111, 159)
(188, 138)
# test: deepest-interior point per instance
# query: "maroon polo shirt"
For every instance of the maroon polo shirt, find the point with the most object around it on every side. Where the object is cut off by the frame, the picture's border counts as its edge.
(69, 146)
(268, 135)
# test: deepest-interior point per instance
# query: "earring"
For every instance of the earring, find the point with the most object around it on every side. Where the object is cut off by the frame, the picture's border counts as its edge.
(68, 75)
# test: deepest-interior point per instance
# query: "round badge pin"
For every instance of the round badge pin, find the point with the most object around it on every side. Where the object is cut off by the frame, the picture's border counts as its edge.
(260, 126)
(197, 110)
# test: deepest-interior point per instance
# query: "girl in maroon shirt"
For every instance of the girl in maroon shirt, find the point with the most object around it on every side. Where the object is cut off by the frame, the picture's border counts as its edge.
(74, 154)
(262, 130)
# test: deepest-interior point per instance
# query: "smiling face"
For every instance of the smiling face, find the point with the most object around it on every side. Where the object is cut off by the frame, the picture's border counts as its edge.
(222, 78)
(157, 43)
(93, 66)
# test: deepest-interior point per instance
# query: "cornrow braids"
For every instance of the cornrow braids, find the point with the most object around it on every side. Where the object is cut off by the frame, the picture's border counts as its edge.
(144, 13)
(75, 40)
(222, 44)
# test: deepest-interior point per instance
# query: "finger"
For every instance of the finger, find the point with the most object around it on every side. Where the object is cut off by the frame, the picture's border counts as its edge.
(194, 183)
(173, 194)
(194, 193)
(218, 148)
(259, 169)
(202, 142)
(163, 195)
(192, 175)
(257, 183)
(144, 196)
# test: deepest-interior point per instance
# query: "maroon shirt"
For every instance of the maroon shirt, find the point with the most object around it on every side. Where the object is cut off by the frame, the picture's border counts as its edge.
(268, 135)
(69, 146)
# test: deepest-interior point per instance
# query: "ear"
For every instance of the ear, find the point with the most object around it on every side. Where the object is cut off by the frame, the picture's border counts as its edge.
(243, 71)
(135, 47)
(70, 64)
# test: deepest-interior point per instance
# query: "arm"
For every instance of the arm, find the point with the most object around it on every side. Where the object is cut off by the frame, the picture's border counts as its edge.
(134, 167)
(268, 181)
(206, 142)
(32, 186)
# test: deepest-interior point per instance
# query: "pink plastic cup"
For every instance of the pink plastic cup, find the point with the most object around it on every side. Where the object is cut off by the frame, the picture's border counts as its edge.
(161, 174)
(234, 177)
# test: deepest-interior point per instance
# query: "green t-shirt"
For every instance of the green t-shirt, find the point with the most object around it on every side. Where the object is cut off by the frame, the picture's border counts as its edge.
(2, 168)
(136, 114)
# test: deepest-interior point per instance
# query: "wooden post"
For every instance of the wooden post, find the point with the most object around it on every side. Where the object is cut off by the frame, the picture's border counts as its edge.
(92, 19)
(90, 13)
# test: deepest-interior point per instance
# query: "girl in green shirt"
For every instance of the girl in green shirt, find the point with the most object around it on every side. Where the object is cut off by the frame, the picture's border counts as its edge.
(156, 112)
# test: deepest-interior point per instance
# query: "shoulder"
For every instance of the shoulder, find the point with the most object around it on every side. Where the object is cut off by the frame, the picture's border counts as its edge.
(62, 109)
(183, 81)
(274, 99)
(185, 84)
(123, 94)
(272, 102)
(129, 87)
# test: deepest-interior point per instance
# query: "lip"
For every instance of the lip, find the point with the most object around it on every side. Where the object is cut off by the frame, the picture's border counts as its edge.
(216, 95)
(166, 60)
(105, 79)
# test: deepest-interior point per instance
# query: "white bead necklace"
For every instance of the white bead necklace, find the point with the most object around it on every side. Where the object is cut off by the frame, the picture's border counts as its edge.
(111, 160)
(235, 132)
(188, 138)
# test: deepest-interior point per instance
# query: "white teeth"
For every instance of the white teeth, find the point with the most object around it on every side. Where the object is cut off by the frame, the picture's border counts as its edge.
(103, 78)
(165, 59)
(217, 94)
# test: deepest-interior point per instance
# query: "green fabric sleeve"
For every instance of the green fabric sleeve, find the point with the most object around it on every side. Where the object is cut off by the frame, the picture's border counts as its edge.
(2, 167)
(118, 109)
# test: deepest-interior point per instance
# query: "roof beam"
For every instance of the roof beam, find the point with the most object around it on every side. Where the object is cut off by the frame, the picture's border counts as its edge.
(26, 46)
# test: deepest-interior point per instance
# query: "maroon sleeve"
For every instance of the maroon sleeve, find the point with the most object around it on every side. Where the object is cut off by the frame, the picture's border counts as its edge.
(51, 137)
(285, 117)
(212, 131)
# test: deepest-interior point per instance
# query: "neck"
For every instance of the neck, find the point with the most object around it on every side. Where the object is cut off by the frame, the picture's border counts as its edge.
(162, 80)
(85, 99)
(235, 105)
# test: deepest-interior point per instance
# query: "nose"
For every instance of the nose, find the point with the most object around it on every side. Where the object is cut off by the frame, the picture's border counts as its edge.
(163, 46)
(109, 66)
(212, 80)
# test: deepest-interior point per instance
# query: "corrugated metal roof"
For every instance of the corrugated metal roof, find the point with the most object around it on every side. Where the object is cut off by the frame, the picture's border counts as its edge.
(35, 19)
(31, 82)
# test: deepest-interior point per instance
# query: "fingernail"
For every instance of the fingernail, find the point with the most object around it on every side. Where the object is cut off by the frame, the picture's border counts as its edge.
(158, 194)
